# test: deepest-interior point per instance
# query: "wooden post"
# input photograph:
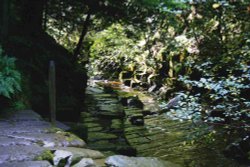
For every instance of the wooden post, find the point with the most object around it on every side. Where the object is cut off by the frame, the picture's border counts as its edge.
(52, 92)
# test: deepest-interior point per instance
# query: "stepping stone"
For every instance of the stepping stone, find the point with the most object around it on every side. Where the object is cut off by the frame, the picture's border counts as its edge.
(82, 152)
(60, 139)
(85, 162)
(124, 161)
(19, 153)
(27, 164)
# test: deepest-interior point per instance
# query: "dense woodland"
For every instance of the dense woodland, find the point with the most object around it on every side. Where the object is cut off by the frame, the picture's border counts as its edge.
(195, 52)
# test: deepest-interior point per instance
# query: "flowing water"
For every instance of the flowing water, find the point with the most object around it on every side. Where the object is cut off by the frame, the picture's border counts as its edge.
(129, 130)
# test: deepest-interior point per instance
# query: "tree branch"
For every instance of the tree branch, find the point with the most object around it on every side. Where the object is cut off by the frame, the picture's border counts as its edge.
(83, 34)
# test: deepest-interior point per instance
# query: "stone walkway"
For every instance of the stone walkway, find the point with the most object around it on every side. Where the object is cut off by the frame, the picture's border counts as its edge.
(146, 132)
(26, 140)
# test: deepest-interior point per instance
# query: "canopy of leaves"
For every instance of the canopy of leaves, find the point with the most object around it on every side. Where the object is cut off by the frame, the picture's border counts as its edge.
(112, 51)
(199, 50)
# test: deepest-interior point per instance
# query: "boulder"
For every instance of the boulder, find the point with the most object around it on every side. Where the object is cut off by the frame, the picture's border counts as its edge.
(85, 162)
(81, 152)
(59, 139)
(124, 161)
(62, 157)
(69, 156)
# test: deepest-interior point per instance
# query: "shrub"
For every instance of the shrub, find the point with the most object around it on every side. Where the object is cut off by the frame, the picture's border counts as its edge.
(10, 77)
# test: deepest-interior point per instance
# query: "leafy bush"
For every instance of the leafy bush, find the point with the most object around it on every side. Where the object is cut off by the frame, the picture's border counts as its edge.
(10, 78)
(113, 52)
(187, 108)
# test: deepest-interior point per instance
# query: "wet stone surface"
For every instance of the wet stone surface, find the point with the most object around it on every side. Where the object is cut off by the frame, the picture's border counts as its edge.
(19, 153)
(61, 139)
(26, 164)
(104, 117)
(8, 141)
(150, 134)
(26, 140)
(124, 161)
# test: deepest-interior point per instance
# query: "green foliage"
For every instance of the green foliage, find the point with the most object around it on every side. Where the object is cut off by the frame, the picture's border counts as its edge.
(222, 92)
(112, 52)
(19, 105)
(46, 155)
(202, 133)
(10, 78)
(188, 108)
(199, 51)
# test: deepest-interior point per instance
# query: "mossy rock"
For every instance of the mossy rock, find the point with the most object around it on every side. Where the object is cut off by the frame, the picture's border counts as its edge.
(102, 136)
(95, 129)
(116, 124)
(92, 125)
(46, 155)
(53, 130)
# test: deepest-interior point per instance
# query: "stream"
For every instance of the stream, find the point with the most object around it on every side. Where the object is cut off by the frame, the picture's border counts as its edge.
(118, 125)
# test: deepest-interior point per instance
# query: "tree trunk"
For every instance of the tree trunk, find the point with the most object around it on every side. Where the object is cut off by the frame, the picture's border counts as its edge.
(84, 32)
(45, 16)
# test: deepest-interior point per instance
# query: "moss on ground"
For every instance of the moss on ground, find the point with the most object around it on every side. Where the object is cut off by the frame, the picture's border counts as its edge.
(46, 155)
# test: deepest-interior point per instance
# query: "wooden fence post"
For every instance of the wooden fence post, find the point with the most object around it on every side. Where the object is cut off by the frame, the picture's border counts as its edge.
(52, 91)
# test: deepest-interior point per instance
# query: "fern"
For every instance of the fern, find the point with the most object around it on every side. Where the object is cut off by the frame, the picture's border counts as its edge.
(10, 77)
